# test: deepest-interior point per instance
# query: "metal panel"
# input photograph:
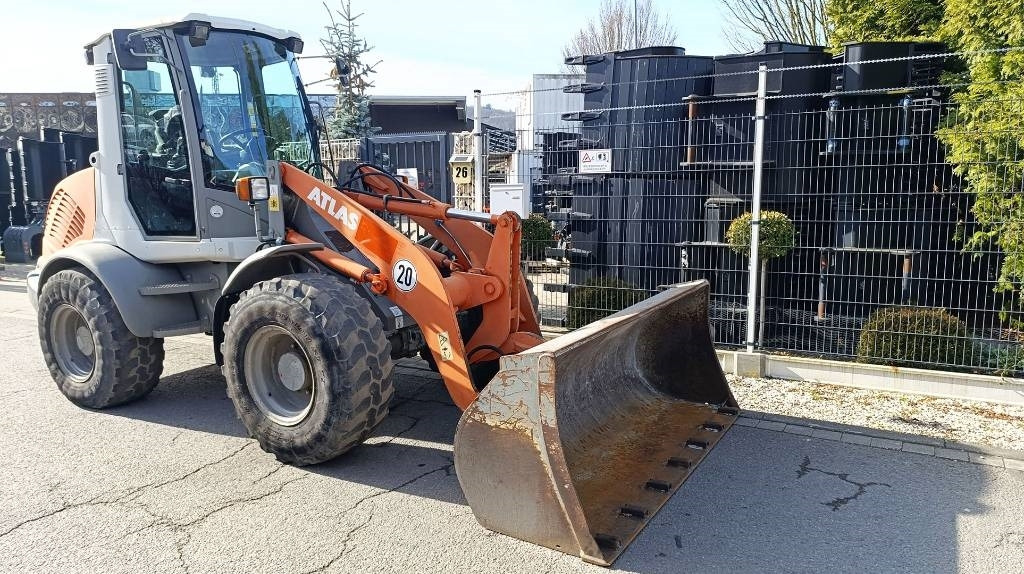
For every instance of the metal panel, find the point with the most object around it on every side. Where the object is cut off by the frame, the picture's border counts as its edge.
(428, 153)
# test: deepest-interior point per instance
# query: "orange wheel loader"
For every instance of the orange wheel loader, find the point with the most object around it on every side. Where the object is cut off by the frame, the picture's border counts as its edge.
(204, 211)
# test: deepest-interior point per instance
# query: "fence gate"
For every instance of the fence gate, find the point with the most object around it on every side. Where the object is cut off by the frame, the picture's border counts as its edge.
(426, 153)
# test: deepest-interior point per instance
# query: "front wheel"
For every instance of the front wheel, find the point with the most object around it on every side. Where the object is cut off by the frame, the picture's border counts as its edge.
(307, 366)
(92, 356)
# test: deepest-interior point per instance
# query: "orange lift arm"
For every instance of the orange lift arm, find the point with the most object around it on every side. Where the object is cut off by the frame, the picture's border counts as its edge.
(411, 277)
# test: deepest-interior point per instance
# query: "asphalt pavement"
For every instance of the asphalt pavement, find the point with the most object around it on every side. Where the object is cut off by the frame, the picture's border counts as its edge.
(173, 484)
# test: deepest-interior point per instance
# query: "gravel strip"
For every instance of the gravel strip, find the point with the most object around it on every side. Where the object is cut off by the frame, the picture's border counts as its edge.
(971, 422)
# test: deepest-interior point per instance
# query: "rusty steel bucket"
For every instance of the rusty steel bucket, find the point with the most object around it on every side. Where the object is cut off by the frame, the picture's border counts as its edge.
(576, 443)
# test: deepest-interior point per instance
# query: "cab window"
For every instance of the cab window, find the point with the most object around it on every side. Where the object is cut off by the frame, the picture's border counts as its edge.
(155, 150)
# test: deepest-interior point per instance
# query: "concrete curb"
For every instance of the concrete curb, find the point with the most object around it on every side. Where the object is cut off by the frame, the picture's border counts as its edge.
(925, 445)
(943, 384)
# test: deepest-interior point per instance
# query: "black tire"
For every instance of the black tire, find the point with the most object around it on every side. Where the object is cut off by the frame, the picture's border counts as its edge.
(120, 368)
(345, 362)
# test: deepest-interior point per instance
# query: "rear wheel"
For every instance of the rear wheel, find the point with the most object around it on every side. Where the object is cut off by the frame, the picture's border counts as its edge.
(307, 366)
(92, 356)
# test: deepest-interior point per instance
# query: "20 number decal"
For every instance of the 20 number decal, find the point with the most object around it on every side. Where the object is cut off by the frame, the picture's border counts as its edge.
(404, 275)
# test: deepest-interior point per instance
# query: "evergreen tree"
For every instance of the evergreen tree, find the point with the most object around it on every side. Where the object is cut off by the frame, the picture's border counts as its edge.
(352, 113)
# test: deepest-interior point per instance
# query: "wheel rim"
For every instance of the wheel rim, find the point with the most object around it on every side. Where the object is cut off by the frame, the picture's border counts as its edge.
(73, 344)
(278, 375)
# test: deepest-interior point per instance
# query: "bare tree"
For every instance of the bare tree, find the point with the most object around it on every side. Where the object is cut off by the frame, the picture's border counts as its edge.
(750, 22)
(622, 25)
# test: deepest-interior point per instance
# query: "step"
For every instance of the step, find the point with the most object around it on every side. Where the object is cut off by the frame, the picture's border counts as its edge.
(177, 287)
(190, 328)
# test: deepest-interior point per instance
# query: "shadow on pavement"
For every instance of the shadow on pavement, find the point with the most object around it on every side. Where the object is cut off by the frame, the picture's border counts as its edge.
(763, 501)
(417, 434)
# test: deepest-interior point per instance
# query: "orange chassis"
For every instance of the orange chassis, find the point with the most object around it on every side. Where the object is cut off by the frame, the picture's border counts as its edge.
(486, 272)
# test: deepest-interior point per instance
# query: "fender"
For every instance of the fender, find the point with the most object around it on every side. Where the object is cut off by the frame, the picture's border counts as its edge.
(122, 275)
(264, 264)
(254, 268)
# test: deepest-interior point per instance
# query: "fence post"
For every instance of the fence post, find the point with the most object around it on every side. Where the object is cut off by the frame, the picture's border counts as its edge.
(755, 207)
(480, 169)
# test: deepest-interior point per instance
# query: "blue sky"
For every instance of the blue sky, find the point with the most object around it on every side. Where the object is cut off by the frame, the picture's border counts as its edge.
(438, 47)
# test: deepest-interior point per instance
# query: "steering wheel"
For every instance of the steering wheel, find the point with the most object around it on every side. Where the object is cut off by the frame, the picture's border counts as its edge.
(242, 139)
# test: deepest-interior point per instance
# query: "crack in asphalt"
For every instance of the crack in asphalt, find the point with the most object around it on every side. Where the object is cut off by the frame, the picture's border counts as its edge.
(130, 495)
(415, 421)
(837, 503)
(348, 535)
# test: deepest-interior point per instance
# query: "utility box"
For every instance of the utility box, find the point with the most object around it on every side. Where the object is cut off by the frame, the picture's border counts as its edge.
(510, 197)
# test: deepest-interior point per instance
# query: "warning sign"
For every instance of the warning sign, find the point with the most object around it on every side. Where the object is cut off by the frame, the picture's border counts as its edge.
(596, 161)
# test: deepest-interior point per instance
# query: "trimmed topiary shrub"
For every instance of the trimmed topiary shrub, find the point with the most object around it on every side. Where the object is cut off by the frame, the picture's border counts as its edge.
(914, 337)
(598, 298)
(777, 236)
(537, 234)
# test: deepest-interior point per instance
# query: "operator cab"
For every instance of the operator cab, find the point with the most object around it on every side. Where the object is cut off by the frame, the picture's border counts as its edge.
(201, 103)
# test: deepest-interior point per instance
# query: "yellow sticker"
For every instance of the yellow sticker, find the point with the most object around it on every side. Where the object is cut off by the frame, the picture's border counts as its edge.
(444, 343)
(274, 201)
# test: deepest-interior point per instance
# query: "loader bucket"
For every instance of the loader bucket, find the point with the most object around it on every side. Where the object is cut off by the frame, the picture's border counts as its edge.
(576, 443)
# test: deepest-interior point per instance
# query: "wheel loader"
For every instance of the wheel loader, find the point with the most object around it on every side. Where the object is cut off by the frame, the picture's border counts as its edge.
(204, 210)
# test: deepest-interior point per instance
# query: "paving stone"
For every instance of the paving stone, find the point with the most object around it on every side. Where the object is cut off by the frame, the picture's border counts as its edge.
(919, 448)
(799, 429)
(951, 454)
(854, 438)
(886, 443)
(986, 459)
(827, 434)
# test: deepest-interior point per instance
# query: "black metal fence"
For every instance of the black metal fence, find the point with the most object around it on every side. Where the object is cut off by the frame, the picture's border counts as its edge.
(843, 167)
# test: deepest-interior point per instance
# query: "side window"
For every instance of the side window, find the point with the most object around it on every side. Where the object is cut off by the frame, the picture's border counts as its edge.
(155, 150)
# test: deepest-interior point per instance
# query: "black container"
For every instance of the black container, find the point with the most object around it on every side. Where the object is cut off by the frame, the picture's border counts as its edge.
(660, 214)
(49, 134)
(42, 165)
(633, 104)
(5, 212)
(888, 126)
(12, 162)
(558, 150)
(597, 229)
(736, 74)
(77, 149)
(853, 74)
(22, 243)
(723, 144)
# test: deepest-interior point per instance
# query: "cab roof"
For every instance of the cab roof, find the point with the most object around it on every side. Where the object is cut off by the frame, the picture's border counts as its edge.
(216, 23)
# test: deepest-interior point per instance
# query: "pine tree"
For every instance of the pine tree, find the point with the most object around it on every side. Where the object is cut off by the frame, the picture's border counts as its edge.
(352, 113)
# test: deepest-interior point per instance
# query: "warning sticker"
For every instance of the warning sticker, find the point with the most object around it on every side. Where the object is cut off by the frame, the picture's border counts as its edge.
(596, 161)
(444, 344)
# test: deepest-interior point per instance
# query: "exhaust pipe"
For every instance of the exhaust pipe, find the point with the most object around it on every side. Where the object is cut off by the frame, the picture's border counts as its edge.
(576, 443)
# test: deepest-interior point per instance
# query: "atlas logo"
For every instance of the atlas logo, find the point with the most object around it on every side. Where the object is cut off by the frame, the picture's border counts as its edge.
(330, 205)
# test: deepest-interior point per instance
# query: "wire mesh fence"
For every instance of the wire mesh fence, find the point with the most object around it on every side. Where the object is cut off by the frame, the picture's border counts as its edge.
(640, 169)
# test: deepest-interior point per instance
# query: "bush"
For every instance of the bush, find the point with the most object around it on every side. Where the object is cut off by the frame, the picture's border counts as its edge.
(914, 337)
(777, 235)
(598, 298)
(537, 234)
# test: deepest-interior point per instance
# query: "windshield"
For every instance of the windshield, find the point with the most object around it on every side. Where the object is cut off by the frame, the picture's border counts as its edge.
(251, 106)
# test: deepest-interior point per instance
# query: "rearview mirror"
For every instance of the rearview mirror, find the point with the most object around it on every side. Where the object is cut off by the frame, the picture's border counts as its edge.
(128, 47)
